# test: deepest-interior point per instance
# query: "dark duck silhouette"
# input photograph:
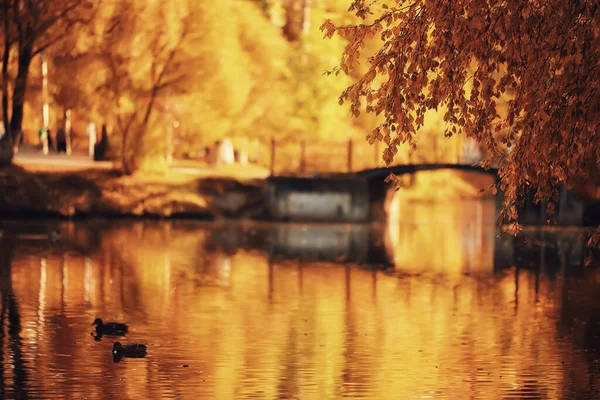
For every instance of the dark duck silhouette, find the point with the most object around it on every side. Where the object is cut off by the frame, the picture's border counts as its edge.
(110, 328)
(128, 351)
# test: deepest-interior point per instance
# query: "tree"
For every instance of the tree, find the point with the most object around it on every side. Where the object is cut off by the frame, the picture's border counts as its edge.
(226, 77)
(8, 38)
(522, 76)
(145, 50)
(33, 26)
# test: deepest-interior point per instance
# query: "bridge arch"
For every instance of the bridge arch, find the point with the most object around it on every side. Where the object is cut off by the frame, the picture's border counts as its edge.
(443, 219)
(432, 183)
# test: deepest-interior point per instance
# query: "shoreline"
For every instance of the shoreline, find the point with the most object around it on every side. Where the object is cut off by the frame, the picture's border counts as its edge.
(206, 195)
(108, 193)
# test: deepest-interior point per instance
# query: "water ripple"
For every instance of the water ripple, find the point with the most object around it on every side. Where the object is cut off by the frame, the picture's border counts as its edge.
(232, 322)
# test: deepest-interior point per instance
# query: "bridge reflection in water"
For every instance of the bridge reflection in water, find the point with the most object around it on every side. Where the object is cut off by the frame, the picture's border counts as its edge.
(450, 237)
(434, 237)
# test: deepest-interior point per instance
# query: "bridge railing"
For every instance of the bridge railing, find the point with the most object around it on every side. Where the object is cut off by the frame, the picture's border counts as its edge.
(304, 157)
(309, 157)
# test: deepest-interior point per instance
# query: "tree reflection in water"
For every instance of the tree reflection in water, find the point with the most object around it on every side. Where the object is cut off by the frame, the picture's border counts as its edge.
(262, 310)
(10, 312)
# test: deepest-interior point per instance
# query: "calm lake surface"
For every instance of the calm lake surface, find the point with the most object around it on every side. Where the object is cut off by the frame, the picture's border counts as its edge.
(433, 307)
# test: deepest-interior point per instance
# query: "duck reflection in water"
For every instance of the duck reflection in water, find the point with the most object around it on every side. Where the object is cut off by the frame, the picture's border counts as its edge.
(109, 329)
(128, 351)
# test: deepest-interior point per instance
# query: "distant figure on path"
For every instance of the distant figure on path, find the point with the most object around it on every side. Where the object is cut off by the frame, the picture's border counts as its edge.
(61, 141)
(101, 148)
(43, 134)
(91, 132)
(50, 140)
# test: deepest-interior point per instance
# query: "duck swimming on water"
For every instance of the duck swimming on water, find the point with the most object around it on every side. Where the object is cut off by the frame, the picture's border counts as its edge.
(110, 328)
(135, 350)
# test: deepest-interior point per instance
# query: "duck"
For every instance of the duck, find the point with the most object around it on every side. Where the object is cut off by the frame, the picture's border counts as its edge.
(135, 350)
(110, 328)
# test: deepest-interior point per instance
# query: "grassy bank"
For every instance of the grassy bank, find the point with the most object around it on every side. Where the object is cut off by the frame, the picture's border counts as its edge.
(69, 193)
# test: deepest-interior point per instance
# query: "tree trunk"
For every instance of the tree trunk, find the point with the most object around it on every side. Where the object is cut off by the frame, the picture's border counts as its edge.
(134, 151)
(6, 151)
(290, 28)
(125, 162)
(16, 122)
(297, 19)
(6, 141)
(5, 61)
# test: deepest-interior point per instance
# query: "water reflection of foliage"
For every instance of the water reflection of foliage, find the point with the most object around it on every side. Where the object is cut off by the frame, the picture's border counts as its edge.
(315, 330)
(10, 312)
(162, 257)
(579, 318)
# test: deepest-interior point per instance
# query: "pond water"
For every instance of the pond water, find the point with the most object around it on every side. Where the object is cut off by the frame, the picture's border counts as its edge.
(435, 307)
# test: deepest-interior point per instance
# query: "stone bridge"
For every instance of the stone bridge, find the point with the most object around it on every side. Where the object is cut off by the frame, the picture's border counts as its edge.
(365, 196)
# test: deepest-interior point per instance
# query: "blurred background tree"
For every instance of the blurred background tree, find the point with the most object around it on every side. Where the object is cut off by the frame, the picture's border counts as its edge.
(238, 69)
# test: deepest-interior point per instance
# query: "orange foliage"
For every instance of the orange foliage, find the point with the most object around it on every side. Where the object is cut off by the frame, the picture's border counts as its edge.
(516, 75)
